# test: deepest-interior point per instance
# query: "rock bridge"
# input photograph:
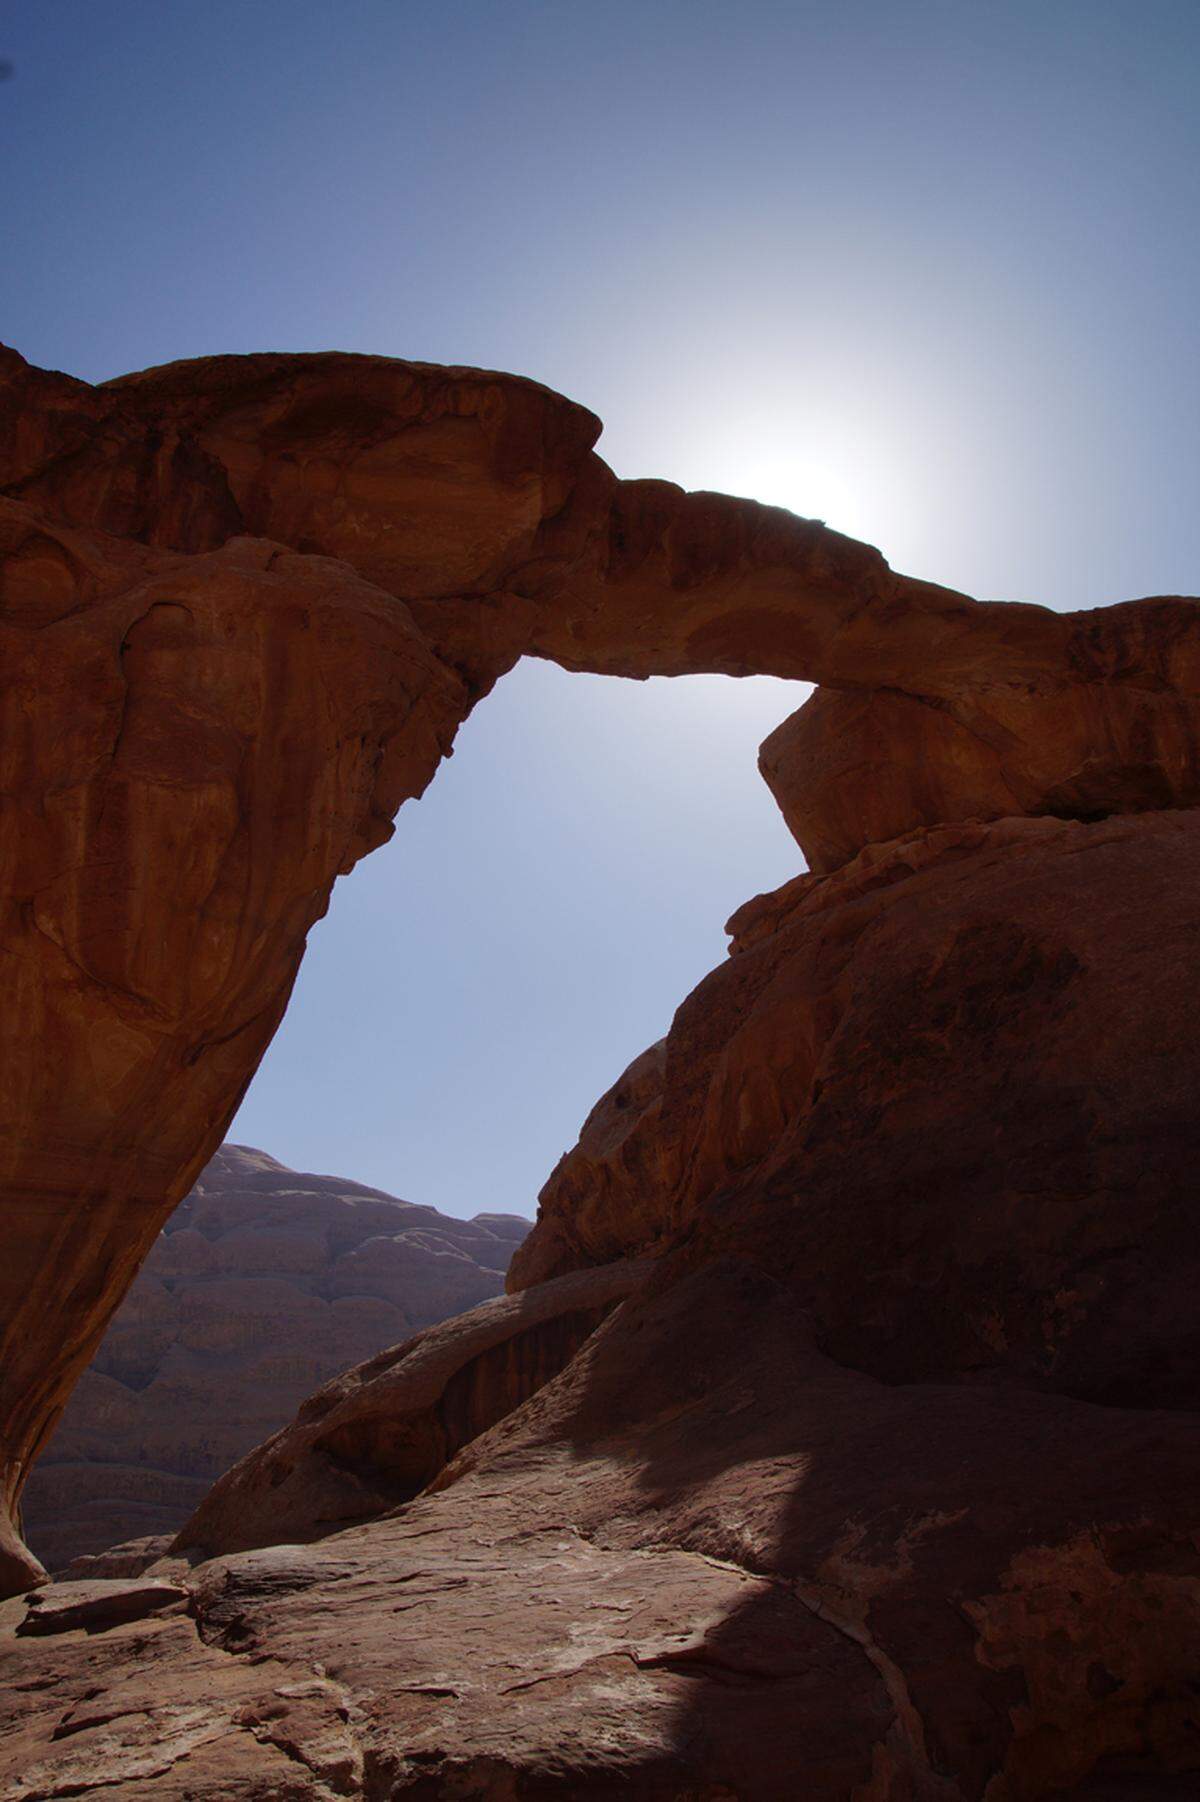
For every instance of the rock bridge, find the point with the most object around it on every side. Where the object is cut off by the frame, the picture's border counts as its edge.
(245, 604)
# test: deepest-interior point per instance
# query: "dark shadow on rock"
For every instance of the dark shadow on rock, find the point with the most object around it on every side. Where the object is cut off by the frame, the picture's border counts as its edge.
(937, 1572)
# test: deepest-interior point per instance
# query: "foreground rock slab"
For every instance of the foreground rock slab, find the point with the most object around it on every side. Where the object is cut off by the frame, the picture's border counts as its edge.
(96, 1605)
(674, 1574)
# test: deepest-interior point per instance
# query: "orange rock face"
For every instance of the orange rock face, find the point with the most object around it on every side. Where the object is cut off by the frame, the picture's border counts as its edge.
(883, 1478)
(947, 1095)
(193, 748)
(1111, 726)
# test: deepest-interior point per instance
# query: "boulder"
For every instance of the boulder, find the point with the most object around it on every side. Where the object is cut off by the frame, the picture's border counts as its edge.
(948, 1095)
(381, 1433)
(131, 1559)
(96, 1604)
(1114, 732)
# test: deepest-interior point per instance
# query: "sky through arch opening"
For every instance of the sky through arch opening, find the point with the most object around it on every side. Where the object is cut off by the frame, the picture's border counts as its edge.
(533, 924)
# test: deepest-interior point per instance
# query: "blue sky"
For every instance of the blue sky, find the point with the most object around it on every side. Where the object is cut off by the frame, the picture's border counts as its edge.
(929, 272)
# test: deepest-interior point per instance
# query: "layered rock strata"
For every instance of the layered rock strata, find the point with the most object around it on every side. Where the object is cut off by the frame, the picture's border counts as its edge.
(264, 1283)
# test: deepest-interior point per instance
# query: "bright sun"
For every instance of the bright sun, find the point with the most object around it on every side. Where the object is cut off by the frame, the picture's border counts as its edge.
(857, 473)
(827, 488)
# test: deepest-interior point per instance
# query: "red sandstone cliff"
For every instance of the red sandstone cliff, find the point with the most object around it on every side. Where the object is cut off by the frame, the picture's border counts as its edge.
(840, 1436)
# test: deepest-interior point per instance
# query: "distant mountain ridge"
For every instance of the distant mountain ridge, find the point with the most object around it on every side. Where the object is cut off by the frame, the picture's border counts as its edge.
(265, 1282)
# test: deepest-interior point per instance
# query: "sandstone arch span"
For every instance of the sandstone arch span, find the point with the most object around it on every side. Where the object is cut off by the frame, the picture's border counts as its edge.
(246, 602)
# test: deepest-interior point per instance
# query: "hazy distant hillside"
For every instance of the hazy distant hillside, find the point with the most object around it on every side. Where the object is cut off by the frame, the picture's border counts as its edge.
(264, 1283)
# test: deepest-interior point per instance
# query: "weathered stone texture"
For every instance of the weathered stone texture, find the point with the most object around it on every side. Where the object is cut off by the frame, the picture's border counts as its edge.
(879, 1485)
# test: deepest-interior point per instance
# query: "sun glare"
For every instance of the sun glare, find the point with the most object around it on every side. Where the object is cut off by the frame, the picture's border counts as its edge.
(851, 473)
(814, 487)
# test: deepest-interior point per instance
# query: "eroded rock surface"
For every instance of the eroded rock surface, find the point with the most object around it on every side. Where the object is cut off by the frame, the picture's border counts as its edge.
(245, 603)
(381, 1433)
(265, 1283)
(880, 1479)
(949, 1091)
(680, 1574)
(95, 1606)
(1114, 730)
(879, 1484)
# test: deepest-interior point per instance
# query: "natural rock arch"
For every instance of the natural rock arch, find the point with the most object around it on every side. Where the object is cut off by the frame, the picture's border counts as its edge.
(245, 605)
